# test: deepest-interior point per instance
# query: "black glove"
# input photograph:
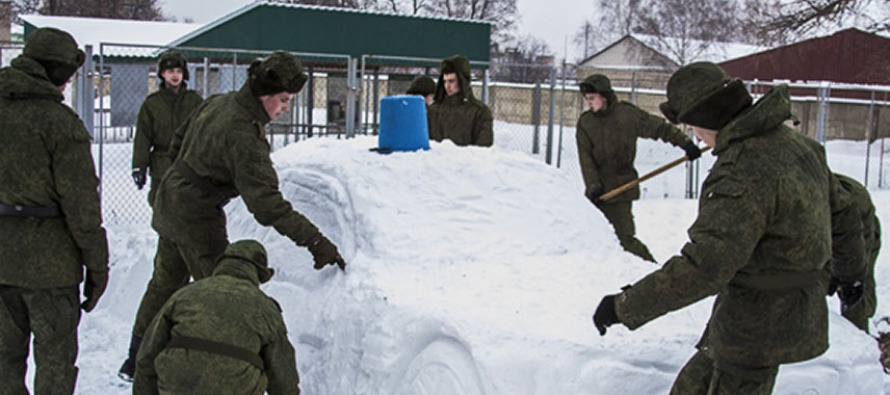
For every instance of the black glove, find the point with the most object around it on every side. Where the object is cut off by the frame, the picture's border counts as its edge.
(325, 253)
(692, 151)
(850, 292)
(605, 314)
(593, 193)
(93, 288)
(139, 177)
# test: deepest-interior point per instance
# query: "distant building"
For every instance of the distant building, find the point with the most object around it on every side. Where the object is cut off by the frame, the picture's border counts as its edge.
(643, 61)
(849, 56)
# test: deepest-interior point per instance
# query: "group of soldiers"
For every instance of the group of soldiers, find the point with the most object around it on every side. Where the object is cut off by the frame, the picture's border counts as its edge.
(776, 229)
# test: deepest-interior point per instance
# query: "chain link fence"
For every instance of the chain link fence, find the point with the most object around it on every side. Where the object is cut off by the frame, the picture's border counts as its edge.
(126, 74)
(535, 109)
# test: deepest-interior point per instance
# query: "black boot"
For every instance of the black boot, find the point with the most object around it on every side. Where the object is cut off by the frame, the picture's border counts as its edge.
(128, 369)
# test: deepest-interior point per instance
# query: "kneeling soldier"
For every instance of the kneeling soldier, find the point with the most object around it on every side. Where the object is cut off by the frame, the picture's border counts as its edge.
(220, 335)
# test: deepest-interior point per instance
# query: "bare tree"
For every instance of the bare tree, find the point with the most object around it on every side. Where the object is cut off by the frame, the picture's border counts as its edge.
(685, 30)
(528, 60)
(616, 18)
(410, 7)
(354, 4)
(117, 9)
(781, 21)
(501, 13)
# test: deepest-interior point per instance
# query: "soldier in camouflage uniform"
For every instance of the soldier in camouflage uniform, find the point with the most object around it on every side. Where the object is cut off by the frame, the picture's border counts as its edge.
(161, 113)
(607, 136)
(866, 231)
(221, 152)
(50, 224)
(456, 114)
(761, 239)
(220, 335)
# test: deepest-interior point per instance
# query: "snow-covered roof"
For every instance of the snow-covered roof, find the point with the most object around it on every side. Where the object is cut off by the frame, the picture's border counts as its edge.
(94, 31)
(259, 3)
(715, 51)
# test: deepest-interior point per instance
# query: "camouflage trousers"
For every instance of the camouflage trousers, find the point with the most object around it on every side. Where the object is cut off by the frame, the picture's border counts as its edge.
(174, 264)
(703, 376)
(52, 316)
(620, 215)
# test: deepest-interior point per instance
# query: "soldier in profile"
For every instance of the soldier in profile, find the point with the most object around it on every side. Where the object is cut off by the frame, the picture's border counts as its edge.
(221, 153)
(607, 135)
(761, 239)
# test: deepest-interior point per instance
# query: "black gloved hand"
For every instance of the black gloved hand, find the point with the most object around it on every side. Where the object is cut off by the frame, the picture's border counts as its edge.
(605, 314)
(850, 293)
(692, 151)
(593, 193)
(325, 253)
(139, 177)
(93, 288)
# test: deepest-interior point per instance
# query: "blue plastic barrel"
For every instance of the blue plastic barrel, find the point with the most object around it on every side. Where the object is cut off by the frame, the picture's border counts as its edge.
(403, 124)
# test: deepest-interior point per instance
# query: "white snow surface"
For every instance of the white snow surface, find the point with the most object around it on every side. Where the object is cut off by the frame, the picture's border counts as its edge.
(470, 271)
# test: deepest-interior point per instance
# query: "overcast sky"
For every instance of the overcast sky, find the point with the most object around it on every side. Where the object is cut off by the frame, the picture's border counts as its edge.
(549, 20)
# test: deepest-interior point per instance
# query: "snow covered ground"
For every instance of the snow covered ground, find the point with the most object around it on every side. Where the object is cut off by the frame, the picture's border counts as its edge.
(471, 271)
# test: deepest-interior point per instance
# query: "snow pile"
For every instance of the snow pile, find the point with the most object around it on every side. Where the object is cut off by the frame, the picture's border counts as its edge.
(471, 271)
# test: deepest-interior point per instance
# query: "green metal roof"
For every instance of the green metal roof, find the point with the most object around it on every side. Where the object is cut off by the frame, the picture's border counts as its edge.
(325, 30)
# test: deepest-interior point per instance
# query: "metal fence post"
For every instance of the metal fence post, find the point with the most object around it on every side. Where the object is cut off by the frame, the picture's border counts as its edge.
(485, 84)
(376, 103)
(536, 119)
(206, 78)
(351, 98)
(822, 120)
(549, 155)
(869, 128)
(310, 103)
(101, 122)
(85, 92)
(562, 113)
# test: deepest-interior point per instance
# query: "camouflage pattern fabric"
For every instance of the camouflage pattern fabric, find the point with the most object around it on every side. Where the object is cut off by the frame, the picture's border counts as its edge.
(607, 144)
(224, 143)
(52, 315)
(173, 266)
(461, 118)
(762, 237)
(701, 375)
(867, 233)
(45, 161)
(161, 113)
(620, 215)
(227, 308)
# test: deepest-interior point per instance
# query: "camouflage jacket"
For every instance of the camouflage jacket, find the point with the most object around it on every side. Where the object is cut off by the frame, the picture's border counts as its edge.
(607, 144)
(461, 118)
(45, 160)
(855, 241)
(224, 143)
(161, 113)
(762, 235)
(228, 308)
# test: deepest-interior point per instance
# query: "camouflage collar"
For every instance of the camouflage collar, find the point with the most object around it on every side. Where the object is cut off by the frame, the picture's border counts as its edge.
(238, 268)
(246, 99)
(26, 79)
(766, 114)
